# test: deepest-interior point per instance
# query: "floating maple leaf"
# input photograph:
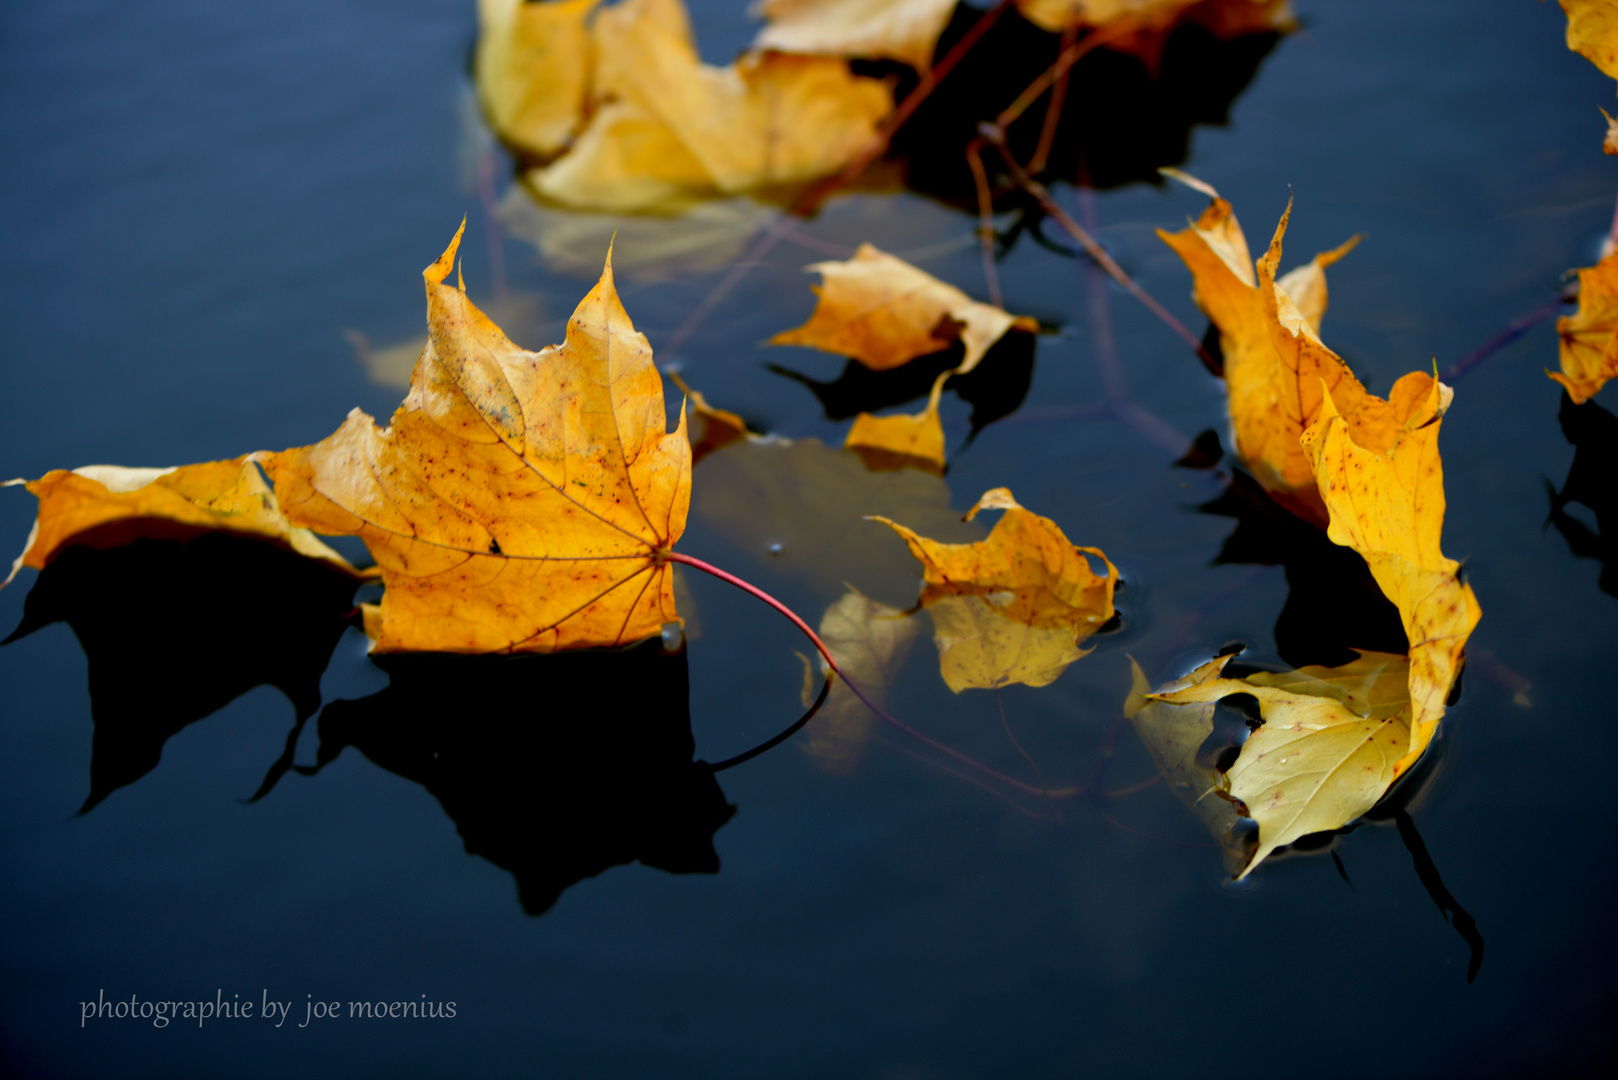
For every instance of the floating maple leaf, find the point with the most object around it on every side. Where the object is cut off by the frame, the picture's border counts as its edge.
(1589, 337)
(1382, 482)
(1329, 747)
(1269, 330)
(519, 501)
(533, 70)
(1014, 607)
(902, 441)
(902, 30)
(883, 312)
(1154, 20)
(106, 506)
(665, 130)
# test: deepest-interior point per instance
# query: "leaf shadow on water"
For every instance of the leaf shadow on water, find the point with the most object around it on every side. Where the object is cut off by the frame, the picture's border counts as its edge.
(1593, 431)
(1122, 120)
(554, 768)
(995, 388)
(175, 629)
(1333, 604)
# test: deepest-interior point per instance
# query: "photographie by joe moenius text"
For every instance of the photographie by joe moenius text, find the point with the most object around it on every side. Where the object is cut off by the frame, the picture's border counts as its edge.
(265, 1009)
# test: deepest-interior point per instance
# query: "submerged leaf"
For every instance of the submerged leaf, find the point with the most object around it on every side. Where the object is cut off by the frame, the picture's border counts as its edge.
(519, 501)
(106, 506)
(1173, 735)
(904, 441)
(1382, 481)
(883, 312)
(870, 641)
(1014, 607)
(1589, 337)
(1328, 748)
(788, 503)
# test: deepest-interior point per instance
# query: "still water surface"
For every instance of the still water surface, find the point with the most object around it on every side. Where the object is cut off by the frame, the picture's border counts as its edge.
(204, 203)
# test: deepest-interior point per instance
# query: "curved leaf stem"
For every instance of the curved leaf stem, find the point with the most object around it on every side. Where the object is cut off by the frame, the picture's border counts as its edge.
(754, 590)
(825, 689)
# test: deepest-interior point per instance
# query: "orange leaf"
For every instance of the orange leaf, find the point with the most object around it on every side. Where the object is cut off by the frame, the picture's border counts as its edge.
(883, 312)
(904, 441)
(902, 30)
(108, 506)
(1589, 347)
(1015, 606)
(1592, 31)
(519, 501)
(1274, 359)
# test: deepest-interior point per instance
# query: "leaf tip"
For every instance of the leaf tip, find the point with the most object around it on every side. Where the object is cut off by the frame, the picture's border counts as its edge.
(439, 270)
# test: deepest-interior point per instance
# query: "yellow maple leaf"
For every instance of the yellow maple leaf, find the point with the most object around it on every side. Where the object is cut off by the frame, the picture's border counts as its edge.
(870, 641)
(533, 66)
(902, 30)
(1015, 606)
(666, 130)
(883, 312)
(111, 505)
(1329, 747)
(1154, 20)
(1269, 331)
(904, 441)
(1382, 482)
(519, 501)
(1589, 337)
(1592, 32)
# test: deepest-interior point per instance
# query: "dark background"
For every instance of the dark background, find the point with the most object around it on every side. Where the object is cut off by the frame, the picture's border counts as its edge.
(200, 199)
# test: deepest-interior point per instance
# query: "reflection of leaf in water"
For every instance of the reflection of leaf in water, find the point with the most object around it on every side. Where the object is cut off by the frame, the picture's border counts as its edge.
(870, 641)
(1012, 608)
(520, 315)
(1321, 577)
(1146, 124)
(704, 239)
(173, 631)
(1328, 749)
(555, 786)
(1592, 480)
(995, 388)
(797, 505)
(1173, 735)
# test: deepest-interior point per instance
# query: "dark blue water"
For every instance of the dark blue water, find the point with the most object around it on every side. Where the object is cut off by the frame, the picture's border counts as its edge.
(200, 200)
